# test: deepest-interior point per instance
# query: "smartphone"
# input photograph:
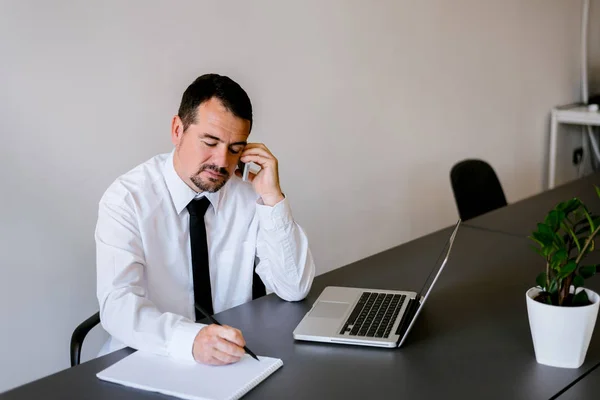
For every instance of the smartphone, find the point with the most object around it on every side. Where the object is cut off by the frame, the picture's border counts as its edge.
(246, 168)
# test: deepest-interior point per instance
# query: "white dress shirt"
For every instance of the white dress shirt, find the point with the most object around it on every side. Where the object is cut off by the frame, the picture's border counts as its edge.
(144, 268)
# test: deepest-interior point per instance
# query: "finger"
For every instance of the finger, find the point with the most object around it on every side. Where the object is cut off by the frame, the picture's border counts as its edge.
(224, 357)
(228, 348)
(258, 159)
(256, 146)
(239, 335)
(232, 335)
(259, 151)
(251, 176)
(215, 361)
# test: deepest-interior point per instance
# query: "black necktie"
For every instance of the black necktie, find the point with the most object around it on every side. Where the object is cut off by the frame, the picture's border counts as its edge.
(199, 247)
(200, 269)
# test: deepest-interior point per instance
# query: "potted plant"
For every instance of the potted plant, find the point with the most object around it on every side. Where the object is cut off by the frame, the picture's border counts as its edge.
(562, 313)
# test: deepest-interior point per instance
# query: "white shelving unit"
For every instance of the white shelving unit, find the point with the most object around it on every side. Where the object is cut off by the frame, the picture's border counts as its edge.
(573, 114)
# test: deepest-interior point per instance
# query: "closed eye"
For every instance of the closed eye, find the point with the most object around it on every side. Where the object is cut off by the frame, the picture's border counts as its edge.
(210, 144)
(236, 149)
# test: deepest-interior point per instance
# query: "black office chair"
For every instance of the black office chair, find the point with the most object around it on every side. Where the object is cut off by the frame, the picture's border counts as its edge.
(79, 335)
(476, 188)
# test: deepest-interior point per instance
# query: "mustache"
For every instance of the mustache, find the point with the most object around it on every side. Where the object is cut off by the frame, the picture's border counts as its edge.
(212, 167)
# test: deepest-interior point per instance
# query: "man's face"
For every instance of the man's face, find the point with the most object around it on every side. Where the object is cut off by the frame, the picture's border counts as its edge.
(207, 153)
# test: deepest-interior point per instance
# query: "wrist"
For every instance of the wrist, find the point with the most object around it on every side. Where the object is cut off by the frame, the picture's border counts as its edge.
(272, 199)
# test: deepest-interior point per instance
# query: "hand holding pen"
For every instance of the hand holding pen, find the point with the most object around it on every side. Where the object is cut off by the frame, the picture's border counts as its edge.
(218, 344)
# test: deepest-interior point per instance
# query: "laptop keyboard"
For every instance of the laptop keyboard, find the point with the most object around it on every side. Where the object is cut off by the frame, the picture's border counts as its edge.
(374, 315)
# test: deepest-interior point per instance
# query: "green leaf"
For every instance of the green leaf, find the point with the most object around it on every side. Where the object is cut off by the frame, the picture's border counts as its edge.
(560, 256)
(575, 240)
(567, 269)
(533, 238)
(579, 218)
(578, 281)
(581, 299)
(596, 220)
(561, 217)
(545, 229)
(569, 206)
(554, 219)
(545, 252)
(557, 240)
(551, 218)
(587, 271)
(597, 190)
(589, 218)
(541, 280)
(539, 251)
(542, 239)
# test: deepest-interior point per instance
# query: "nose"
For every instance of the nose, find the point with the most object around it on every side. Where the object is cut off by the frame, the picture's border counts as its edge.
(221, 157)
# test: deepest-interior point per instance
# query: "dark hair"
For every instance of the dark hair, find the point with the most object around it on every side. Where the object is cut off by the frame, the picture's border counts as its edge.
(234, 98)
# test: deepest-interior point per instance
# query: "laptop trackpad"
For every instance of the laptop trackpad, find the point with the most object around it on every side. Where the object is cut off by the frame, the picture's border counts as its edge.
(328, 309)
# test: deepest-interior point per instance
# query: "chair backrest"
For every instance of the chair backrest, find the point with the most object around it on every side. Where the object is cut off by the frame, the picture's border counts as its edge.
(476, 188)
(79, 335)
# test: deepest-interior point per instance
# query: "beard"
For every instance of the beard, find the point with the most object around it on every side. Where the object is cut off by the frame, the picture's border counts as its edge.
(211, 184)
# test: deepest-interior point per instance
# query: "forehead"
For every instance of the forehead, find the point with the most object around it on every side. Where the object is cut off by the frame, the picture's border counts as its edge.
(214, 118)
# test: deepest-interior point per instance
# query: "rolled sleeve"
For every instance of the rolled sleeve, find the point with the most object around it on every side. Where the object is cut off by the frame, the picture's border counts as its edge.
(285, 263)
(182, 341)
(273, 218)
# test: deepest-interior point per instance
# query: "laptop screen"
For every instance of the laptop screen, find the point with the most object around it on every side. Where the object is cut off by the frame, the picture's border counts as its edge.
(431, 279)
(439, 265)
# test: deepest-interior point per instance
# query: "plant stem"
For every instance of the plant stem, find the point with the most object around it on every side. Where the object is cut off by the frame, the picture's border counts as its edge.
(566, 284)
(587, 243)
(564, 290)
(548, 276)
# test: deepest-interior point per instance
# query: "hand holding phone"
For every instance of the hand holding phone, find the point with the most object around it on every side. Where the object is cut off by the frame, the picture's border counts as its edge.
(261, 168)
(248, 168)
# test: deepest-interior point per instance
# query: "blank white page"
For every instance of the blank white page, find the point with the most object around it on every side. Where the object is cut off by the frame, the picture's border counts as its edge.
(190, 380)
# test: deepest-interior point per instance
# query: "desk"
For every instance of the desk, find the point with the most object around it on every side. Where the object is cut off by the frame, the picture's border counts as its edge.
(571, 114)
(521, 218)
(471, 341)
(587, 388)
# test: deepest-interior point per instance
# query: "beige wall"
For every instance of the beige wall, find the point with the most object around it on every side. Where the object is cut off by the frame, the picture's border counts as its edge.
(594, 46)
(367, 104)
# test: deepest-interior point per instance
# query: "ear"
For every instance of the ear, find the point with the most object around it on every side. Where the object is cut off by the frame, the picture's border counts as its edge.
(176, 130)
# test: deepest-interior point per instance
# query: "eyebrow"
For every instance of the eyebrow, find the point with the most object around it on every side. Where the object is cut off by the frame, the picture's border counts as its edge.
(209, 136)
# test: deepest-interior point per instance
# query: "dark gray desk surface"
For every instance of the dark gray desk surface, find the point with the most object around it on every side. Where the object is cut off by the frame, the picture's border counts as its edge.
(586, 388)
(471, 341)
(521, 218)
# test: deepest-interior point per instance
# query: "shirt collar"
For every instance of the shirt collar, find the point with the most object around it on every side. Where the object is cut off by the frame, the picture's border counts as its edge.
(181, 193)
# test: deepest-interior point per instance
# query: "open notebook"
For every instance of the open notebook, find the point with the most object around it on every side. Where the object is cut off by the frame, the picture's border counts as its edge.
(190, 380)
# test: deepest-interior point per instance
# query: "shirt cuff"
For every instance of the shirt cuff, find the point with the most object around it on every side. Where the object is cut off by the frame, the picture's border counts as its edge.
(276, 217)
(182, 341)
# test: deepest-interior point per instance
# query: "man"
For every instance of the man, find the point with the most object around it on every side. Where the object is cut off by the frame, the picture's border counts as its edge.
(184, 229)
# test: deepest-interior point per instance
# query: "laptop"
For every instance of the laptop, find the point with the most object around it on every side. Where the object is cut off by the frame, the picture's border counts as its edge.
(368, 317)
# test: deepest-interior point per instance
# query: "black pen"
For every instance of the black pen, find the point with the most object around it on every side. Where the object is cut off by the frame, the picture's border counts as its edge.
(214, 321)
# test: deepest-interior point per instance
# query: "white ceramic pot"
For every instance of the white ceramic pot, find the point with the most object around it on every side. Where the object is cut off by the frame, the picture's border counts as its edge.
(561, 335)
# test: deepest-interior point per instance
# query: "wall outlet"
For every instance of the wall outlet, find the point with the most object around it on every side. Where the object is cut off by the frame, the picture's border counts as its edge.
(577, 155)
